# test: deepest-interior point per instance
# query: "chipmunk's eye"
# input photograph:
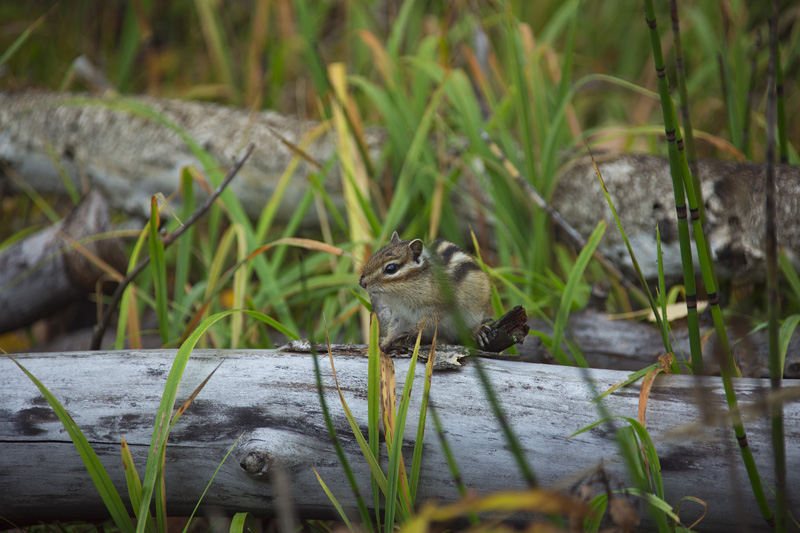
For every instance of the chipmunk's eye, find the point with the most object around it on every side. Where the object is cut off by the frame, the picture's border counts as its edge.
(391, 268)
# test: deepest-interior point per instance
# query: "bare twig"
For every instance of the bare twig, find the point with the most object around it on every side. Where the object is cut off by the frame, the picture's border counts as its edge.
(101, 326)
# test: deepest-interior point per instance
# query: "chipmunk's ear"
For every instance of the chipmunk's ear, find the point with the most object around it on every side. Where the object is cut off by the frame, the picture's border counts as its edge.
(395, 238)
(416, 249)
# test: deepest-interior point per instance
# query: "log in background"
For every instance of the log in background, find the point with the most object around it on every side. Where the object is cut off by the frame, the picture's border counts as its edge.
(271, 398)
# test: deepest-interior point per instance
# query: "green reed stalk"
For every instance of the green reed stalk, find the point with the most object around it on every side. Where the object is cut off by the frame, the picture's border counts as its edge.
(783, 143)
(691, 181)
(773, 305)
(680, 197)
(730, 395)
(706, 263)
(680, 73)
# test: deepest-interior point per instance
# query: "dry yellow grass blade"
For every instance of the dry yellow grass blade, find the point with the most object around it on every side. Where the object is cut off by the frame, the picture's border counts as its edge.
(532, 501)
(354, 174)
(308, 244)
(388, 396)
(382, 60)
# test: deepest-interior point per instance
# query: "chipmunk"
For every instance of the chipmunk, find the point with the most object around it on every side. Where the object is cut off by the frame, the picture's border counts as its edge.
(415, 287)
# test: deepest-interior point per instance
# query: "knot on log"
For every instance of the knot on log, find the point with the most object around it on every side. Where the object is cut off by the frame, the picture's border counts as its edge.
(254, 460)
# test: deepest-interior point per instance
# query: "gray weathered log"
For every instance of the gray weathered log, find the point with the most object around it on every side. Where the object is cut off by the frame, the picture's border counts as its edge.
(628, 345)
(641, 188)
(270, 398)
(43, 273)
(131, 157)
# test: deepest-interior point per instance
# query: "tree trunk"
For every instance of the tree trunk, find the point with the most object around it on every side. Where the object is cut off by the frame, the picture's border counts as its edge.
(269, 397)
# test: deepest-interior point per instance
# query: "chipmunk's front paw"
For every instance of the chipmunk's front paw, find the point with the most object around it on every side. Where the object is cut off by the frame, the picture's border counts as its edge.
(483, 334)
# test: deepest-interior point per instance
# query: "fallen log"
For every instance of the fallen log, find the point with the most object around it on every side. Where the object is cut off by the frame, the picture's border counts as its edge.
(640, 187)
(269, 398)
(45, 272)
(608, 342)
(116, 146)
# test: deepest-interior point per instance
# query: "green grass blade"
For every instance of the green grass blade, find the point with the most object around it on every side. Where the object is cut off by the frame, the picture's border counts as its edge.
(31, 193)
(657, 503)
(161, 429)
(160, 494)
(399, 28)
(128, 51)
(241, 523)
(124, 304)
(134, 483)
(395, 451)
(790, 273)
(406, 182)
(650, 453)
(589, 427)
(659, 319)
(183, 255)
(632, 378)
(69, 186)
(416, 462)
(304, 10)
(97, 471)
(787, 330)
(205, 490)
(662, 290)
(334, 501)
(447, 451)
(511, 439)
(637, 467)
(569, 294)
(158, 268)
(19, 41)
(290, 333)
(374, 405)
(20, 235)
(375, 469)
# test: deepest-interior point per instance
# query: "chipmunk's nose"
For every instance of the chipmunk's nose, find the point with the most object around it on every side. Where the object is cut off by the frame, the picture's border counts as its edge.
(362, 282)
